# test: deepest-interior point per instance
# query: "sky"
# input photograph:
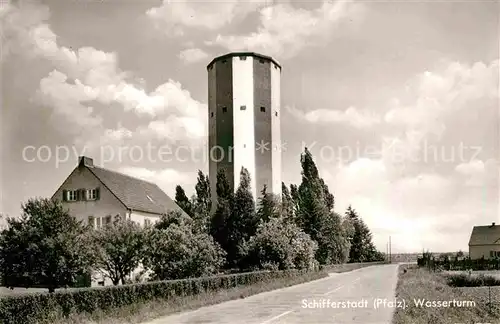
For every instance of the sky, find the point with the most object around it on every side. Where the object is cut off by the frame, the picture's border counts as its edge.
(398, 101)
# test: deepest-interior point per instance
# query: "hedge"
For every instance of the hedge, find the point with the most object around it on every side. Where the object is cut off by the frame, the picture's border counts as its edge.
(45, 308)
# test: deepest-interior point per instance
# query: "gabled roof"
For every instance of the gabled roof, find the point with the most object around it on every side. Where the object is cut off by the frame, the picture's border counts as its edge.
(135, 194)
(485, 235)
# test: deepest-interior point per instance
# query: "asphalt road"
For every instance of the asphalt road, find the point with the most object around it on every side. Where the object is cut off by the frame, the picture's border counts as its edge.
(315, 302)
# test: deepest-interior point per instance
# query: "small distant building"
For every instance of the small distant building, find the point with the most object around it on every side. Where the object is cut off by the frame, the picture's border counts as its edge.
(485, 242)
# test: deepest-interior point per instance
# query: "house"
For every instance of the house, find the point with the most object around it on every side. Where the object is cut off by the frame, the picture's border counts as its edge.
(96, 196)
(485, 242)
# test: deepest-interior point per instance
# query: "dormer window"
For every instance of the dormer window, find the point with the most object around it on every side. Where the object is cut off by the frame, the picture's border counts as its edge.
(150, 199)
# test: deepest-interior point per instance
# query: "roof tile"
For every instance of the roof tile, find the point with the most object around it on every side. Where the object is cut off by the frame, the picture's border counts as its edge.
(136, 194)
(483, 235)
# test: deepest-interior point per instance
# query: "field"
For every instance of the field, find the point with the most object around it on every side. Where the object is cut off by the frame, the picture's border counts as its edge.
(419, 283)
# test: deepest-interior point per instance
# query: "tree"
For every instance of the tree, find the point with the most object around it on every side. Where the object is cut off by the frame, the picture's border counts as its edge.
(183, 201)
(333, 242)
(294, 193)
(45, 246)
(174, 217)
(329, 198)
(287, 203)
(268, 206)
(178, 252)
(120, 248)
(202, 201)
(242, 223)
(362, 248)
(219, 221)
(280, 245)
(315, 215)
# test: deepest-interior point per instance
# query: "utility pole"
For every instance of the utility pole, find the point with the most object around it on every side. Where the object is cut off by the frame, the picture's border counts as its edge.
(390, 250)
(387, 252)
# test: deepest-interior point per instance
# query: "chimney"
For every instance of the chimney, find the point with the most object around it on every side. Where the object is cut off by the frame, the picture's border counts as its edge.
(85, 161)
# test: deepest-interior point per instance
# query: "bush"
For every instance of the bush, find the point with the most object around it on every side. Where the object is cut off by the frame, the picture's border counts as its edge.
(465, 280)
(45, 308)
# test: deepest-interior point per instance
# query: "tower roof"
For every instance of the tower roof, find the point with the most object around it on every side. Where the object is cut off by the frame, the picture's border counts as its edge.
(233, 54)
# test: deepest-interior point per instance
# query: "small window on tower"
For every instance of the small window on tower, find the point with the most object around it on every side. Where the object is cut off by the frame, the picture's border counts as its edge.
(224, 61)
(224, 109)
(243, 58)
(261, 61)
(243, 107)
(276, 113)
(212, 114)
(275, 66)
(263, 109)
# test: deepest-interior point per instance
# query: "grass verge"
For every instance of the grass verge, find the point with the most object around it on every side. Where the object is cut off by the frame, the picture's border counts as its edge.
(143, 312)
(417, 284)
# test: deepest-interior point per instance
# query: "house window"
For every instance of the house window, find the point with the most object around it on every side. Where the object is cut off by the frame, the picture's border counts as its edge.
(212, 114)
(243, 58)
(107, 220)
(263, 109)
(71, 195)
(91, 194)
(224, 109)
(98, 222)
(147, 222)
(243, 107)
(91, 221)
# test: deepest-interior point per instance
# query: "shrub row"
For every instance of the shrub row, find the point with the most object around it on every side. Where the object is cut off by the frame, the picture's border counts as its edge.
(464, 264)
(464, 280)
(45, 308)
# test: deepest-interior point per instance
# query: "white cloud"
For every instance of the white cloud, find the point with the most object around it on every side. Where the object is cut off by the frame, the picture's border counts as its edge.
(68, 101)
(90, 75)
(480, 174)
(415, 210)
(440, 93)
(351, 116)
(285, 30)
(174, 17)
(192, 55)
